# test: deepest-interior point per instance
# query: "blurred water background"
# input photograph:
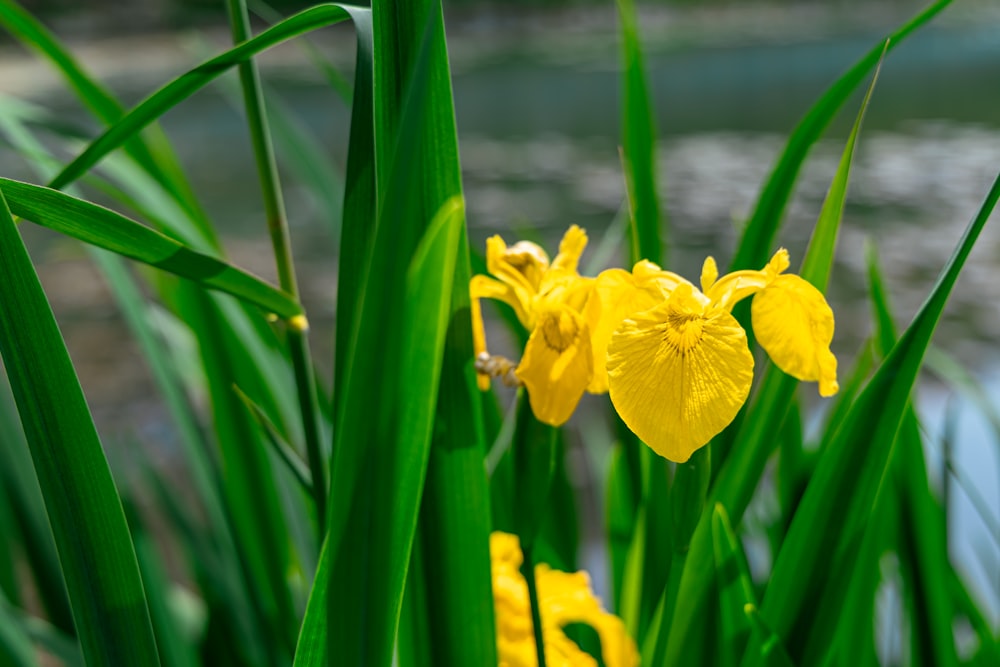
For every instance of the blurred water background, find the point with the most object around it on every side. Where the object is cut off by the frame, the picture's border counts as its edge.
(536, 93)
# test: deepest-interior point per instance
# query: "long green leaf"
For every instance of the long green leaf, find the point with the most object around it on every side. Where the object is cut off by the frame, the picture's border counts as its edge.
(740, 472)
(639, 145)
(416, 171)
(822, 532)
(220, 557)
(152, 151)
(370, 538)
(455, 512)
(106, 229)
(758, 236)
(15, 645)
(923, 548)
(276, 221)
(92, 538)
(185, 85)
(735, 587)
(360, 209)
(25, 503)
(651, 547)
(248, 481)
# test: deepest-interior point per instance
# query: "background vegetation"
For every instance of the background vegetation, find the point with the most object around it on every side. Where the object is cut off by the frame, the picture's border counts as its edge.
(343, 516)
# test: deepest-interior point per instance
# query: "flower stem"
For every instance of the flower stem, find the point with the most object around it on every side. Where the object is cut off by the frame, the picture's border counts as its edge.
(277, 224)
(535, 447)
(528, 570)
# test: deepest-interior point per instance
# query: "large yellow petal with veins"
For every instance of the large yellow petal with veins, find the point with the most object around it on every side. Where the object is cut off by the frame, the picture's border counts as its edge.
(557, 364)
(679, 373)
(794, 324)
(616, 295)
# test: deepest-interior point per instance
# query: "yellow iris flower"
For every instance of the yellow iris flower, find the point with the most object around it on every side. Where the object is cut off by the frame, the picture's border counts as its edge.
(563, 598)
(549, 300)
(678, 372)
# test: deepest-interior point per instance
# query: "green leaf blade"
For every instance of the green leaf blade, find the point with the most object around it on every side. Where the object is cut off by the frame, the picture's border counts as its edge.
(758, 236)
(639, 145)
(863, 442)
(188, 83)
(85, 511)
(112, 231)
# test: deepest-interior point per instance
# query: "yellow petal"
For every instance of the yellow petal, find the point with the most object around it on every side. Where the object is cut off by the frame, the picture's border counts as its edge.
(568, 289)
(498, 263)
(566, 597)
(733, 287)
(557, 364)
(563, 598)
(649, 275)
(794, 324)
(679, 373)
(570, 248)
(617, 294)
(478, 339)
(529, 260)
(709, 274)
(484, 287)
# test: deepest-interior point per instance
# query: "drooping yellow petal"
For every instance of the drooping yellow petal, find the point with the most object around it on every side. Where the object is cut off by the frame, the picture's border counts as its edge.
(794, 324)
(557, 364)
(484, 287)
(563, 598)
(679, 373)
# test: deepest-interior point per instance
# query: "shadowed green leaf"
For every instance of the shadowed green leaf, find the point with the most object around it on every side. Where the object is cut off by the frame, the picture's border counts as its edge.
(24, 501)
(770, 652)
(286, 453)
(15, 645)
(247, 479)
(85, 512)
(735, 588)
(400, 443)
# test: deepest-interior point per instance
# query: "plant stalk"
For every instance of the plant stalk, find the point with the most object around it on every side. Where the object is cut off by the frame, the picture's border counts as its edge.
(277, 224)
(528, 570)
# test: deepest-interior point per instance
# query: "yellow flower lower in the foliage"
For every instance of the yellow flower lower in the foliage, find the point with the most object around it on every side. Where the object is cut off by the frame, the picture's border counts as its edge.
(549, 299)
(679, 371)
(563, 598)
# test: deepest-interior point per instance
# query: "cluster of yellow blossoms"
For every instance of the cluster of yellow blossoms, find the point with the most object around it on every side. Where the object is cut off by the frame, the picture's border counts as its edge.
(673, 358)
(563, 598)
